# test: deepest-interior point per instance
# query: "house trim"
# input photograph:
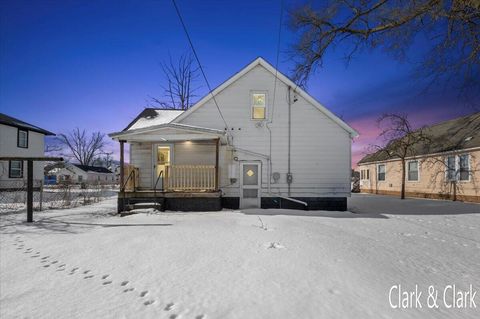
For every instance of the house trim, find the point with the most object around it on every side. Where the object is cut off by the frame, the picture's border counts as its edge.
(260, 61)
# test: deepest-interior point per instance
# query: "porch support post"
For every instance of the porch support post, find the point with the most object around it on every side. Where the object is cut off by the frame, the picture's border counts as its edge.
(217, 151)
(122, 167)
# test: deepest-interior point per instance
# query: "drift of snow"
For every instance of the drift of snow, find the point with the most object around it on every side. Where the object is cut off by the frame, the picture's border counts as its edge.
(163, 117)
(85, 263)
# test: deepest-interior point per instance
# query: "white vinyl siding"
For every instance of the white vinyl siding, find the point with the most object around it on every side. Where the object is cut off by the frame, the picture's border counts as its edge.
(320, 148)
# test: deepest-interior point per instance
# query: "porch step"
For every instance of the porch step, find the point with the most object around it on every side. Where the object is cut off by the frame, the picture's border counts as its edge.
(155, 205)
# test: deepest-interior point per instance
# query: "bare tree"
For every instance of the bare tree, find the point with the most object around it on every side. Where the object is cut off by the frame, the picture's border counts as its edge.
(451, 27)
(180, 77)
(82, 147)
(400, 141)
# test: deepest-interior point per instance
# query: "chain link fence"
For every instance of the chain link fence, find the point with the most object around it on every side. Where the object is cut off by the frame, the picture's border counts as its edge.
(13, 195)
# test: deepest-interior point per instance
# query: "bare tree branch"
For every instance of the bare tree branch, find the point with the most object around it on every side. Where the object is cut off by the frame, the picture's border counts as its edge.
(82, 147)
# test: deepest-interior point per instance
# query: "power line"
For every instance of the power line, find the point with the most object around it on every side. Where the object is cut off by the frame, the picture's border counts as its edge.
(198, 61)
(276, 62)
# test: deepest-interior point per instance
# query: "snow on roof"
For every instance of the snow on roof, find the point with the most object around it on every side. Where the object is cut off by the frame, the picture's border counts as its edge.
(151, 117)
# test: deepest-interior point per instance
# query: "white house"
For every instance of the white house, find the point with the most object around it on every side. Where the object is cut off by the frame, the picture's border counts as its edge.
(257, 141)
(77, 174)
(18, 138)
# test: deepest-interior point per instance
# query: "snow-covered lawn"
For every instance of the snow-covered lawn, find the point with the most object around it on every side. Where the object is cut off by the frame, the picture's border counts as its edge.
(85, 263)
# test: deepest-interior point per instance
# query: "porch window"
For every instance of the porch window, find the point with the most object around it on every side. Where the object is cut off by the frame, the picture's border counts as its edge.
(259, 103)
(381, 172)
(412, 172)
(15, 169)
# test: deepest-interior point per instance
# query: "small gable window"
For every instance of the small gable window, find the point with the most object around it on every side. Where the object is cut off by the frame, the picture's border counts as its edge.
(22, 138)
(259, 104)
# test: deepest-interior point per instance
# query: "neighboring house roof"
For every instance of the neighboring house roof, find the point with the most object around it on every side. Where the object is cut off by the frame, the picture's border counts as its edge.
(11, 121)
(281, 77)
(153, 116)
(453, 135)
(95, 169)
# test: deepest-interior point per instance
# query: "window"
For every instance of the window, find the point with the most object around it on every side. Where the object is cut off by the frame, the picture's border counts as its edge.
(412, 171)
(259, 103)
(450, 168)
(15, 169)
(80, 178)
(368, 174)
(464, 167)
(22, 138)
(361, 174)
(365, 174)
(381, 172)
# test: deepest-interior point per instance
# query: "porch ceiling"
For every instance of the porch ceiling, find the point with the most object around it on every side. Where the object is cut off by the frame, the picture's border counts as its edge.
(168, 132)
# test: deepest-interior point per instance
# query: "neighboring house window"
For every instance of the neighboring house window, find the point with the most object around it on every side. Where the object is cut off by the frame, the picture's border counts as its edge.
(361, 174)
(464, 167)
(381, 172)
(98, 177)
(259, 104)
(80, 178)
(15, 169)
(22, 138)
(450, 168)
(458, 167)
(412, 172)
(368, 174)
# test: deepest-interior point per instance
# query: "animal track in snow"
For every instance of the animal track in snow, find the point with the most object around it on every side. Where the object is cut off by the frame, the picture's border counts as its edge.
(129, 289)
(107, 282)
(274, 245)
(148, 302)
(169, 306)
(88, 277)
(173, 316)
(105, 276)
(46, 257)
(143, 293)
(124, 283)
(45, 266)
(200, 317)
(86, 271)
(54, 262)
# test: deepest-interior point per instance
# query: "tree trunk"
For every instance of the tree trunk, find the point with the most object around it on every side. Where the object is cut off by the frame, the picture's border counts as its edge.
(402, 193)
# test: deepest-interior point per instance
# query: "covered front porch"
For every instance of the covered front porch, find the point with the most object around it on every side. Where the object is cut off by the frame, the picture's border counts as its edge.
(170, 166)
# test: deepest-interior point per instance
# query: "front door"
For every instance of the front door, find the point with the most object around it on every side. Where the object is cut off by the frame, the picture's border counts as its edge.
(162, 157)
(250, 184)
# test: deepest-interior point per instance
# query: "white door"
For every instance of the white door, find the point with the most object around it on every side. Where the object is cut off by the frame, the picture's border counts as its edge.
(162, 155)
(250, 184)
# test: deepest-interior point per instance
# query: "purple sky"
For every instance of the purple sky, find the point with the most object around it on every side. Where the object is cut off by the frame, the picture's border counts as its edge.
(93, 64)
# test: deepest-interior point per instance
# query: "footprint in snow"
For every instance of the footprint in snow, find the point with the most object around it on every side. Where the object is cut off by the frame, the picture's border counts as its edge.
(129, 289)
(200, 317)
(274, 245)
(124, 283)
(107, 282)
(45, 266)
(148, 302)
(88, 277)
(173, 316)
(86, 271)
(46, 257)
(54, 262)
(105, 276)
(169, 306)
(143, 293)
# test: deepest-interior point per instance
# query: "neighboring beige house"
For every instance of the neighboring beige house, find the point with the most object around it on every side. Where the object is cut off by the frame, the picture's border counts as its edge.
(447, 168)
(257, 141)
(18, 138)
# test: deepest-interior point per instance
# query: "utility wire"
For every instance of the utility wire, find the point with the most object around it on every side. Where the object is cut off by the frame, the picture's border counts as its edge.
(276, 62)
(198, 61)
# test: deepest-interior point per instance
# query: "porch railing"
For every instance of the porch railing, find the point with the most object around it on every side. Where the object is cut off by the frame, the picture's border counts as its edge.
(190, 178)
(131, 178)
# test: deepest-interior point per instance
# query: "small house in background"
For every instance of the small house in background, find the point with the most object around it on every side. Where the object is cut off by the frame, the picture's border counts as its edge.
(19, 138)
(445, 167)
(77, 174)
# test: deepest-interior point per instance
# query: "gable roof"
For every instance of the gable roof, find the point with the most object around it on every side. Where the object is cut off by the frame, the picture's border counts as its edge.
(11, 121)
(281, 77)
(452, 135)
(95, 169)
(153, 116)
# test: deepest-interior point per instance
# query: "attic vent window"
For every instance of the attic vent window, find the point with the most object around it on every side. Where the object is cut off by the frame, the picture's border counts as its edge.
(259, 104)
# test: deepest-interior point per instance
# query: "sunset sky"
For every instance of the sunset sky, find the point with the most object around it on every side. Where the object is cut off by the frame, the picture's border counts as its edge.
(94, 64)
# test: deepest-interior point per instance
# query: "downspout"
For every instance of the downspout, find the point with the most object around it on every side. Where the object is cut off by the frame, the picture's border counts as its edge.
(289, 172)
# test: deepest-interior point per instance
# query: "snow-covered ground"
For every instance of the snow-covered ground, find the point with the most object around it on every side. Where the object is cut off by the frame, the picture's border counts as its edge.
(85, 263)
